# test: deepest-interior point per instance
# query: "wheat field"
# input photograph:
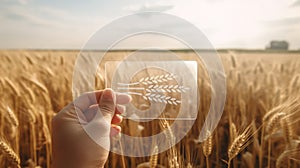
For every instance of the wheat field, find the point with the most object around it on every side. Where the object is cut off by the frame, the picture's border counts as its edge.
(260, 125)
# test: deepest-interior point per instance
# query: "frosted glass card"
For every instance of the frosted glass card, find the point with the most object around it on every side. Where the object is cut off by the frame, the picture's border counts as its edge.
(160, 89)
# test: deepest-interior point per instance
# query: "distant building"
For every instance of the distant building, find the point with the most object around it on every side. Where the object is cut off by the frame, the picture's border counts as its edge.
(278, 45)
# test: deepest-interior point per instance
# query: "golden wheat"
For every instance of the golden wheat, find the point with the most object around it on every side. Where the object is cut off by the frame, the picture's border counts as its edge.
(10, 154)
(153, 158)
(239, 143)
(262, 88)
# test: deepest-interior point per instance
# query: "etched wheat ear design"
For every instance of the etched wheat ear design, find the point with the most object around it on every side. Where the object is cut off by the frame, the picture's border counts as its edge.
(167, 88)
(151, 80)
(155, 89)
(161, 99)
(157, 79)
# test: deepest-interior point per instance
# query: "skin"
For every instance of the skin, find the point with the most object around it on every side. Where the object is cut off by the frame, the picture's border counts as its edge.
(72, 146)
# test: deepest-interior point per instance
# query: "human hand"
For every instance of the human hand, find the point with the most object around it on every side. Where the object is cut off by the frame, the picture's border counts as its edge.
(99, 111)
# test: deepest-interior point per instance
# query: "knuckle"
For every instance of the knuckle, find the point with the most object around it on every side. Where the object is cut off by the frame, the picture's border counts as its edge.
(107, 107)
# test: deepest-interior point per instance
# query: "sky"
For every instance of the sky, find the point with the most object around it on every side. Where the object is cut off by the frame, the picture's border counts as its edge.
(69, 24)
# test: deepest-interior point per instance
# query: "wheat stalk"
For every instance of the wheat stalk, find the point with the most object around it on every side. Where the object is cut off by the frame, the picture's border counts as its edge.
(37, 83)
(32, 119)
(239, 143)
(286, 155)
(2, 83)
(172, 153)
(29, 59)
(207, 148)
(10, 154)
(270, 128)
(248, 158)
(47, 138)
(15, 128)
(169, 134)
(153, 158)
(233, 60)
(294, 83)
(272, 112)
(287, 130)
(274, 122)
(12, 116)
(13, 87)
(233, 132)
(28, 92)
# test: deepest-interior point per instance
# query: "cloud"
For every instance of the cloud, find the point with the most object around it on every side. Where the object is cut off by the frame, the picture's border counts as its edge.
(158, 7)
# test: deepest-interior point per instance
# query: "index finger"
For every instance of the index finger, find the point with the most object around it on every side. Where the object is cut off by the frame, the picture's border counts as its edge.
(88, 99)
(84, 101)
(123, 98)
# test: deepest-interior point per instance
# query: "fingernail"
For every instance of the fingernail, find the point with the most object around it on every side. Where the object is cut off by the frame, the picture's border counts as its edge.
(124, 94)
(108, 94)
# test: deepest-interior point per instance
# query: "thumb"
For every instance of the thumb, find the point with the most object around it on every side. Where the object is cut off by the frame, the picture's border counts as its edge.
(107, 104)
(98, 128)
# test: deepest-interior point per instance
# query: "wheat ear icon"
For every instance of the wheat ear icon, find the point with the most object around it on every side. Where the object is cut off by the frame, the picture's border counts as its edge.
(153, 90)
(167, 88)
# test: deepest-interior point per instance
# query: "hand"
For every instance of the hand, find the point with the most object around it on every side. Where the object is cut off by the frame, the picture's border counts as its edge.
(99, 111)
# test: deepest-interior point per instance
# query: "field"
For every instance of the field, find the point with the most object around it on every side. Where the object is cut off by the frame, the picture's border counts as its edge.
(260, 126)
